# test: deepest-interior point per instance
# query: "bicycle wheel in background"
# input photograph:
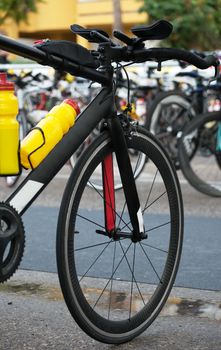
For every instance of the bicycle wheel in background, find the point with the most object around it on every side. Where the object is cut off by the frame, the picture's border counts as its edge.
(203, 170)
(114, 287)
(168, 114)
(96, 180)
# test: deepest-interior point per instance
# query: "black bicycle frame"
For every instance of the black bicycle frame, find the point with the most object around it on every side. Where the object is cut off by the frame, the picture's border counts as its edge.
(101, 107)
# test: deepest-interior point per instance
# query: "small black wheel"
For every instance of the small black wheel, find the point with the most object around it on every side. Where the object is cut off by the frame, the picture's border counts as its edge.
(12, 241)
(169, 112)
(203, 169)
(115, 287)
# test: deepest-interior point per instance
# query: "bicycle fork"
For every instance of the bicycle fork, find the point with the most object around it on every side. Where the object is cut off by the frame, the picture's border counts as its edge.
(129, 187)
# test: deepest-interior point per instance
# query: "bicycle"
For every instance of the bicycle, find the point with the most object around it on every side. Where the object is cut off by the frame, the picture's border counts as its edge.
(202, 170)
(172, 110)
(129, 229)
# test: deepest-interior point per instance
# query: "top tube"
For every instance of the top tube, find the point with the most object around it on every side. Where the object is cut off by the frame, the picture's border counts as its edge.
(56, 62)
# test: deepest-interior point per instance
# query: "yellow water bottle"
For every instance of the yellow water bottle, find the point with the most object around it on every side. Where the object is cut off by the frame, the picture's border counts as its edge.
(9, 128)
(47, 133)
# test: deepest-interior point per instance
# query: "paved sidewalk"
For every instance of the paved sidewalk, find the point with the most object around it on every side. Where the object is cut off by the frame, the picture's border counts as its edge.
(34, 316)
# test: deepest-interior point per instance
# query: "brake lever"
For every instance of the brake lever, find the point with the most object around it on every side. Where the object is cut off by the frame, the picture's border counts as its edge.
(217, 72)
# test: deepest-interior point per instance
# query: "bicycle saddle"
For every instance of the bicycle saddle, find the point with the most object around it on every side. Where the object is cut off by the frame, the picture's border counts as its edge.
(158, 30)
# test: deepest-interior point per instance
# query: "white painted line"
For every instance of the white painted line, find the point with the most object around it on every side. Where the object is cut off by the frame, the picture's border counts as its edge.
(24, 196)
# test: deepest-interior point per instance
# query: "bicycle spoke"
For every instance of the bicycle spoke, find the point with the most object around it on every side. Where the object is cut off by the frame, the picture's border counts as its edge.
(158, 226)
(110, 294)
(148, 206)
(150, 263)
(151, 188)
(91, 246)
(156, 248)
(91, 221)
(95, 261)
(126, 225)
(132, 274)
(154, 201)
(121, 216)
(148, 197)
(113, 273)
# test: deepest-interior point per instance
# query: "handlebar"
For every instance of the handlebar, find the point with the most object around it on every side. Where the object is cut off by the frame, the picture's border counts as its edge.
(108, 53)
(164, 54)
(58, 63)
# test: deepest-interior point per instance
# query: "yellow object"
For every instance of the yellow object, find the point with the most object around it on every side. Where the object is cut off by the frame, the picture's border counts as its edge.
(47, 133)
(9, 128)
(131, 112)
(69, 78)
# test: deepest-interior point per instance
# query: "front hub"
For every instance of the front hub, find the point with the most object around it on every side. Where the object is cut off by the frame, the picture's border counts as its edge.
(117, 234)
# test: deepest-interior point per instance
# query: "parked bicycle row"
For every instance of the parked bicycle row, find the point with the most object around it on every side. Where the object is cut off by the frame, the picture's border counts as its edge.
(187, 121)
(163, 102)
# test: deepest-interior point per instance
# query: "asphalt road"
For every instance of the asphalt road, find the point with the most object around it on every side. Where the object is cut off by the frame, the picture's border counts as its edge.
(200, 265)
(201, 259)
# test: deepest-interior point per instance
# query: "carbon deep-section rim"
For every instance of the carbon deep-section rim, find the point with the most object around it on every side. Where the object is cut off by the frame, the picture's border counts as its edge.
(113, 293)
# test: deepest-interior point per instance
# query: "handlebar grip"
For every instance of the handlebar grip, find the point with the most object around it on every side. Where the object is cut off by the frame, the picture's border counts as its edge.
(212, 60)
(164, 54)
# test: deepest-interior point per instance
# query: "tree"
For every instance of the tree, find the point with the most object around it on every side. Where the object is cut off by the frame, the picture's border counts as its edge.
(197, 23)
(17, 9)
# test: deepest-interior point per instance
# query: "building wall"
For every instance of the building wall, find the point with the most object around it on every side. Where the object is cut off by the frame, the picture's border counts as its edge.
(99, 13)
(54, 18)
(10, 28)
(51, 15)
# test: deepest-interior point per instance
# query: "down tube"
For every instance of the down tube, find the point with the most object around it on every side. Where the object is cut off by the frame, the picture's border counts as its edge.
(39, 178)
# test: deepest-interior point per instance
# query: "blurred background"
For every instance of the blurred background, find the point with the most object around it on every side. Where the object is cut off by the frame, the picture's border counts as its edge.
(29, 20)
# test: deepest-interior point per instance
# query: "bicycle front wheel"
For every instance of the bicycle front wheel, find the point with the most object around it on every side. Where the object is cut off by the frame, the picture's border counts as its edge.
(115, 288)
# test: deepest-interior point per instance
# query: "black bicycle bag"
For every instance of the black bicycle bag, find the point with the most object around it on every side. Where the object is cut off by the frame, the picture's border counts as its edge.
(68, 50)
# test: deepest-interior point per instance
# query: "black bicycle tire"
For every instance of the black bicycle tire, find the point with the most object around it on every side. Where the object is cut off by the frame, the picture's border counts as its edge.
(185, 162)
(168, 97)
(94, 326)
